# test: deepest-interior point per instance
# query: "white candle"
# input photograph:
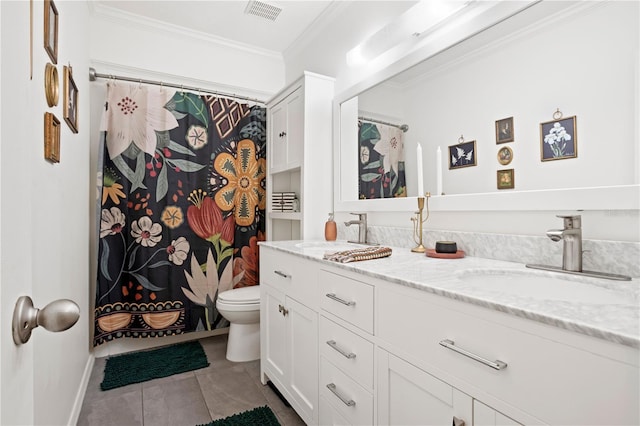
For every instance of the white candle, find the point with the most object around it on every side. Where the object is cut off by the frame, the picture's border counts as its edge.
(438, 171)
(420, 175)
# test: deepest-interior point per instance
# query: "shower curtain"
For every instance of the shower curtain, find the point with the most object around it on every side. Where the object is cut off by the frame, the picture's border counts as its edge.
(381, 161)
(182, 209)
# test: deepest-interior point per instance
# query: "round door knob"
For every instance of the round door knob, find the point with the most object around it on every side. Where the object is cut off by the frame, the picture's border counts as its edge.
(58, 315)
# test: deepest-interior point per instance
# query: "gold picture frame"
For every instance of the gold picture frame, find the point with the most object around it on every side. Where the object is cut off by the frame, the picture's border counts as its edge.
(506, 179)
(70, 106)
(559, 138)
(505, 155)
(51, 137)
(51, 84)
(504, 130)
(51, 30)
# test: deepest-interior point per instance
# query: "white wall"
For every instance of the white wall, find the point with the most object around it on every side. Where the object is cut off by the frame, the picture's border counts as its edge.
(45, 229)
(322, 55)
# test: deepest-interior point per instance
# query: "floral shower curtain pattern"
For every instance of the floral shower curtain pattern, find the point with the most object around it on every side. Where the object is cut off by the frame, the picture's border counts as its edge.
(381, 161)
(182, 209)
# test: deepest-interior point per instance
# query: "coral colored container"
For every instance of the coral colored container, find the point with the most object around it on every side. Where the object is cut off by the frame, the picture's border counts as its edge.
(330, 229)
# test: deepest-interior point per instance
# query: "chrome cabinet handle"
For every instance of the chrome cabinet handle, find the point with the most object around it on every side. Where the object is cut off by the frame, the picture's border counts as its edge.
(347, 402)
(348, 355)
(332, 296)
(282, 274)
(496, 365)
(457, 422)
(283, 310)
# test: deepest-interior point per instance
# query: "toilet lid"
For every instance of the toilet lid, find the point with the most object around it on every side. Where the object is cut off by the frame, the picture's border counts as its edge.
(242, 295)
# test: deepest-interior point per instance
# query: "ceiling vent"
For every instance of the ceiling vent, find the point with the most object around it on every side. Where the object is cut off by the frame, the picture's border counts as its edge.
(263, 10)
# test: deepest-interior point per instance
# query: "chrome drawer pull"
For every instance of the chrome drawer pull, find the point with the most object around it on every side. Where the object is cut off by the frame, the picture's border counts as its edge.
(282, 274)
(348, 355)
(496, 365)
(347, 402)
(332, 296)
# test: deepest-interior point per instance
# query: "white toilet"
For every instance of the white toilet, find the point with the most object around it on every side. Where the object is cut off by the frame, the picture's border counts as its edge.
(241, 307)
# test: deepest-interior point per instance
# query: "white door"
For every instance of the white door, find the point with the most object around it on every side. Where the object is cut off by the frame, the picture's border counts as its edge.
(44, 217)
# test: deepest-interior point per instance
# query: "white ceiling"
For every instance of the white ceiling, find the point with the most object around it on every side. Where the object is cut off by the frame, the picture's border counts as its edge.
(227, 20)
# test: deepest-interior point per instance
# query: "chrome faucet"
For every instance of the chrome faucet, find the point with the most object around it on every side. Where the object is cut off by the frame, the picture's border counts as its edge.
(571, 235)
(362, 230)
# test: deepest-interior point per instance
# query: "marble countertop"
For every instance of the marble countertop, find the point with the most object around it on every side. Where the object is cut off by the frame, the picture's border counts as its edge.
(601, 308)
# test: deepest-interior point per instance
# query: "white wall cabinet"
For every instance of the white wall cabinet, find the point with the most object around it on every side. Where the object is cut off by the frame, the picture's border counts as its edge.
(299, 152)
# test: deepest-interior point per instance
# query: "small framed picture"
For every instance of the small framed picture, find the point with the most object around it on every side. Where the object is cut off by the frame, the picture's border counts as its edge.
(506, 179)
(51, 138)
(504, 130)
(51, 30)
(462, 155)
(505, 155)
(70, 106)
(558, 139)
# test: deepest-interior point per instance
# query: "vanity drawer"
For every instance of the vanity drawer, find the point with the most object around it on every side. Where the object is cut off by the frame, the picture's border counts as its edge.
(348, 398)
(349, 352)
(348, 299)
(551, 381)
(290, 274)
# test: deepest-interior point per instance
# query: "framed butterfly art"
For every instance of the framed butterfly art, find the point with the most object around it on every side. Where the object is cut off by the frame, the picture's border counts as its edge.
(462, 155)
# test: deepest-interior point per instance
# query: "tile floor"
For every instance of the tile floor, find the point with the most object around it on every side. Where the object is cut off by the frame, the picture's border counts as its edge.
(190, 398)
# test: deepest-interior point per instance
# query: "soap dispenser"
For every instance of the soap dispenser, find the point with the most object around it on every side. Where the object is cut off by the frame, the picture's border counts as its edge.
(330, 229)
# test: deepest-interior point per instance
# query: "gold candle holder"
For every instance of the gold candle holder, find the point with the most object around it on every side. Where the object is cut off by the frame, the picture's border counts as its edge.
(417, 223)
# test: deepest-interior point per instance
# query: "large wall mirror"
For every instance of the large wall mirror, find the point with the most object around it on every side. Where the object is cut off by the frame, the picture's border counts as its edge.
(581, 58)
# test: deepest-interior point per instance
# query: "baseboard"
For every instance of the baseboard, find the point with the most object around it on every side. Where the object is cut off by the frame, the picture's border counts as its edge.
(84, 382)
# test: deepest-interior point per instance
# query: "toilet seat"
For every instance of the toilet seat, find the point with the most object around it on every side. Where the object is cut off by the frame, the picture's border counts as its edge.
(241, 296)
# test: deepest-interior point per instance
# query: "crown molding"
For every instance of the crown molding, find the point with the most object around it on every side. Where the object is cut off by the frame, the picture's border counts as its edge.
(108, 13)
(316, 27)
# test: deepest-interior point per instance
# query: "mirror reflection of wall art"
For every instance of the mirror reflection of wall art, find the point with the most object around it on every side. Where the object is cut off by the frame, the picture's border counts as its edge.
(381, 168)
(51, 84)
(462, 155)
(51, 30)
(504, 130)
(505, 155)
(70, 106)
(558, 138)
(51, 138)
(506, 179)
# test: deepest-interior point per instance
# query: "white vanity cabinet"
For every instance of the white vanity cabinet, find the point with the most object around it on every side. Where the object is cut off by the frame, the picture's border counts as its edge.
(383, 353)
(289, 330)
(299, 151)
(530, 372)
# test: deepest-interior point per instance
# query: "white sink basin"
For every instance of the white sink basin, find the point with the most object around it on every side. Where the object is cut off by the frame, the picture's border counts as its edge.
(529, 284)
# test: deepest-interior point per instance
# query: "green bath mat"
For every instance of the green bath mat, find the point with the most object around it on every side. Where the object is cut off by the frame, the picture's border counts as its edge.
(262, 416)
(139, 367)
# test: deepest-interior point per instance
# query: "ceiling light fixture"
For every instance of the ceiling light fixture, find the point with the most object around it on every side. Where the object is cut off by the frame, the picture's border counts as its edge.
(263, 10)
(415, 22)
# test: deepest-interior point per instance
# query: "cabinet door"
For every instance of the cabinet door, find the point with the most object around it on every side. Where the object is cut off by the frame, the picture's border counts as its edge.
(295, 128)
(273, 334)
(408, 395)
(302, 324)
(278, 154)
(484, 415)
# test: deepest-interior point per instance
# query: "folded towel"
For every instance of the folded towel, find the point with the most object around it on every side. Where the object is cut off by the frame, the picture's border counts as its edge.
(358, 254)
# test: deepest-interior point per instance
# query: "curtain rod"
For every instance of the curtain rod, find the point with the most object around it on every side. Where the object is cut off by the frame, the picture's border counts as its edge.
(402, 127)
(93, 76)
